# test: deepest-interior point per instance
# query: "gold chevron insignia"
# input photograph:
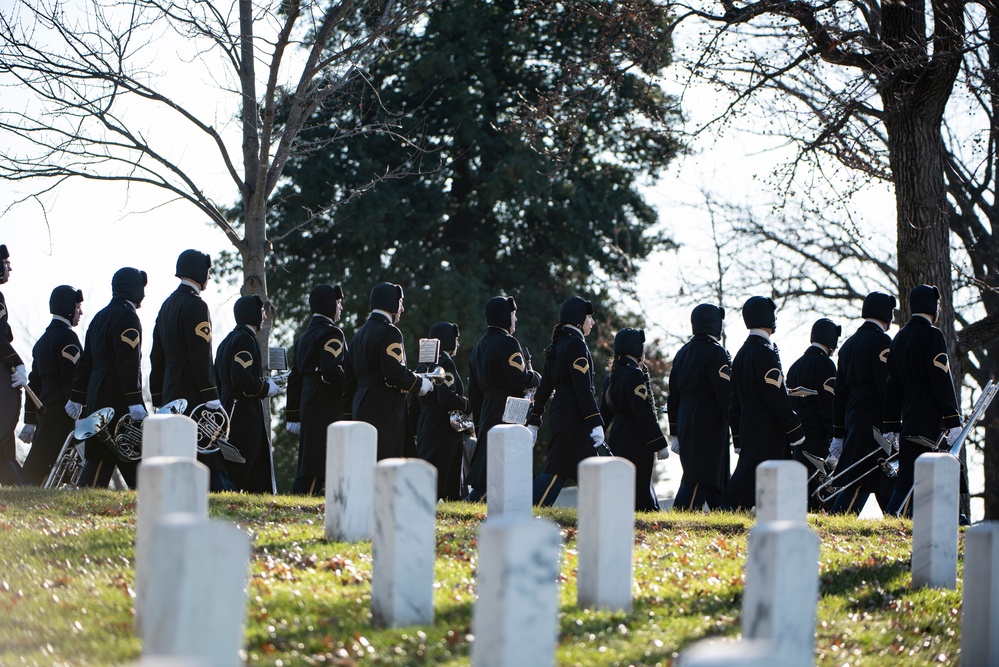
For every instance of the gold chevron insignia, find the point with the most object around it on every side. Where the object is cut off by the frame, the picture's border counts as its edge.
(642, 390)
(884, 356)
(942, 365)
(334, 347)
(725, 372)
(449, 379)
(830, 385)
(243, 358)
(131, 336)
(773, 376)
(517, 361)
(396, 352)
(204, 330)
(3, 311)
(581, 365)
(71, 352)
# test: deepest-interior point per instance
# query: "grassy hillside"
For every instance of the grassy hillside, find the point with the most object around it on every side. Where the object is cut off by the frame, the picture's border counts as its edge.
(66, 596)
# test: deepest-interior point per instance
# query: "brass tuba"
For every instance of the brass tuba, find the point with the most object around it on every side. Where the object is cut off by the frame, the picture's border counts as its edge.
(69, 464)
(213, 433)
(128, 432)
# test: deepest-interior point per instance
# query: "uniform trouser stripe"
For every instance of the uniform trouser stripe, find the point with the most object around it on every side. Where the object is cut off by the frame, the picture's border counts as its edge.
(904, 510)
(545, 494)
(693, 496)
(856, 492)
(97, 474)
(312, 487)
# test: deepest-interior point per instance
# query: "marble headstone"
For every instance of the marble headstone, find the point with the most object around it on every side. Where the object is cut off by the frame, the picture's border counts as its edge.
(351, 454)
(781, 491)
(980, 609)
(606, 533)
(935, 509)
(508, 460)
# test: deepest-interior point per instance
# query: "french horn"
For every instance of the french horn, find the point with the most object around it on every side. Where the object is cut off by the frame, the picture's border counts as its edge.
(128, 432)
(213, 433)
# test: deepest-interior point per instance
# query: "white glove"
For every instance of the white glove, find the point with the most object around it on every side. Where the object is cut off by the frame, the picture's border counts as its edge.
(952, 435)
(294, 427)
(426, 387)
(798, 442)
(674, 444)
(74, 409)
(272, 388)
(892, 439)
(597, 435)
(836, 448)
(663, 454)
(737, 450)
(832, 462)
(137, 412)
(27, 434)
(211, 405)
(19, 377)
(534, 434)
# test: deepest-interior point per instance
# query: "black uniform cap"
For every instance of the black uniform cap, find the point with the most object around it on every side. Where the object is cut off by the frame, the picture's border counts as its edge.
(323, 299)
(498, 310)
(386, 296)
(129, 283)
(194, 264)
(707, 319)
(760, 312)
(248, 310)
(63, 301)
(446, 333)
(630, 341)
(3, 251)
(826, 332)
(924, 299)
(879, 306)
(574, 311)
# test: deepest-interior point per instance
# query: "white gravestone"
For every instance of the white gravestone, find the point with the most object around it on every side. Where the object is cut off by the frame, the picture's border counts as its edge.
(196, 605)
(515, 617)
(169, 435)
(351, 455)
(170, 484)
(403, 544)
(509, 482)
(781, 491)
(606, 533)
(935, 509)
(743, 653)
(980, 610)
(782, 588)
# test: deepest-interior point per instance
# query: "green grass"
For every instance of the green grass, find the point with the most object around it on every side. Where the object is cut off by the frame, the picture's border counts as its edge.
(66, 597)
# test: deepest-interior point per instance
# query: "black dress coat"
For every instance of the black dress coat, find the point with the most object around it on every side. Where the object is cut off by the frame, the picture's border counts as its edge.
(436, 442)
(700, 390)
(634, 432)
(496, 371)
(11, 405)
(814, 370)
(239, 377)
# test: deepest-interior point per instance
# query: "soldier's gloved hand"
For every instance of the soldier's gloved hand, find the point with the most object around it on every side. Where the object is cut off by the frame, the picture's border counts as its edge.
(213, 405)
(952, 435)
(674, 444)
(597, 435)
(892, 439)
(74, 410)
(836, 448)
(27, 434)
(272, 388)
(663, 454)
(137, 412)
(534, 434)
(19, 377)
(832, 462)
(426, 387)
(294, 427)
(800, 441)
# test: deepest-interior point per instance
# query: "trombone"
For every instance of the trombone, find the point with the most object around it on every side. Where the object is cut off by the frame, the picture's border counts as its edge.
(827, 490)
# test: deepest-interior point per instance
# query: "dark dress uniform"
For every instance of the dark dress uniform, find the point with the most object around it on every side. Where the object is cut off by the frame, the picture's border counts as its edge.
(698, 402)
(316, 397)
(55, 356)
(857, 410)
(182, 364)
(497, 370)
(634, 432)
(239, 375)
(10, 471)
(919, 392)
(109, 373)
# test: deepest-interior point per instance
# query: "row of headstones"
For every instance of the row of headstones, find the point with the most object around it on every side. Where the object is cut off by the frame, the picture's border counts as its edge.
(191, 572)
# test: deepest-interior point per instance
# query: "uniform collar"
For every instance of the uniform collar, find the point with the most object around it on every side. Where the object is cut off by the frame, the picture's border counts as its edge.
(191, 285)
(320, 316)
(493, 329)
(876, 323)
(381, 316)
(819, 347)
(923, 316)
(573, 327)
(762, 334)
(59, 319)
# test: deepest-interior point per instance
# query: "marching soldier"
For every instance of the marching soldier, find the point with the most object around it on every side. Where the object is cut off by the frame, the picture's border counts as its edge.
(10, 399)
(436, 442)
(858, 407)
(181, 358)
(699, 395)
(376, 366)
(760, 413)
(816, 371)
(577, 429)
(54, 359)
(316, 387)
(627, 404)
(109, 374)
(919, 392)
(497, 369)
(238, 373)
